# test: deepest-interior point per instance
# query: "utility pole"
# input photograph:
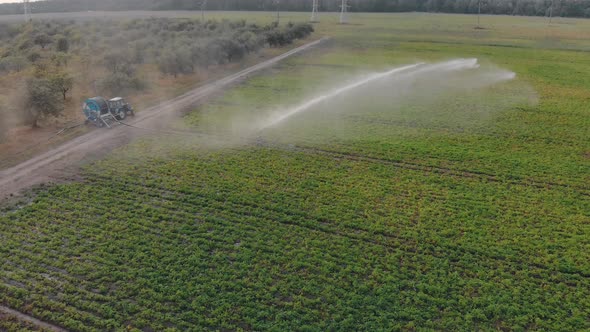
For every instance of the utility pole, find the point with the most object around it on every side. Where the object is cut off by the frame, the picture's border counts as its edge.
(478, 14)
(314, 11)
(27, 10)
(551, 11)
(344, 10)
(278, 2)
(203, 8)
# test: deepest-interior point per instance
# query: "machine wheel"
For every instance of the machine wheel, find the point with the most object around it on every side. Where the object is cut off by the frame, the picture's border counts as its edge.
(122, 115)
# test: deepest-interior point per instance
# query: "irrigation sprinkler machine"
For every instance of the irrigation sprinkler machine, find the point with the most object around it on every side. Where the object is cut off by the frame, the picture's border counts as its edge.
(103, 113)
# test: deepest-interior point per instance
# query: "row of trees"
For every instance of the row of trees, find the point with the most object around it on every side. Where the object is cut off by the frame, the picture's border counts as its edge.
(186, 57)
(108, 55)
(183, 46)
(573, 8)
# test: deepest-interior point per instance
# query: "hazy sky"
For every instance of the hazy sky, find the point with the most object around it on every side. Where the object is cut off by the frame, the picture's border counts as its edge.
(7, 1)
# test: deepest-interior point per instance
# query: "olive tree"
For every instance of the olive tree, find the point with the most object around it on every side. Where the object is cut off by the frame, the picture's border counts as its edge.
(176, 62)
(120, 83)
(60, 59)
(63, 44)
(42, 39)
(42, 99)
(116, 61)
(9, 64)
(62, 82)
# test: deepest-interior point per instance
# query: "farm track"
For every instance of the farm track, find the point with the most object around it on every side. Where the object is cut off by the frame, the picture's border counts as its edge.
(29, 319)
(51, 164)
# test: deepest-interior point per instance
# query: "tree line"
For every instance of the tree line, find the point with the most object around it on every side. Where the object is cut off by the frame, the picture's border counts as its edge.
(565, 8)
(43, 52)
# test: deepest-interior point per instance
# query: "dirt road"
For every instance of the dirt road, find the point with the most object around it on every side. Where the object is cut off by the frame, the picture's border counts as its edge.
(57, 164)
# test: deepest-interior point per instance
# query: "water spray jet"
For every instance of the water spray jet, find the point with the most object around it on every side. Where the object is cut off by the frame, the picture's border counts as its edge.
(401, 73)
(282, 117)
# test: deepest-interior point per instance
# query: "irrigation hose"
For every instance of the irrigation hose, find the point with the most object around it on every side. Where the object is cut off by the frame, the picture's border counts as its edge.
(32, 146)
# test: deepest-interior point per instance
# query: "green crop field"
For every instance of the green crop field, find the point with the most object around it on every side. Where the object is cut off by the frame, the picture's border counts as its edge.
(436, 204)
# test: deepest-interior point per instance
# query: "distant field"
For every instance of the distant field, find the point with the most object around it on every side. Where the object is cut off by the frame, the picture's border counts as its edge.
(423, 205)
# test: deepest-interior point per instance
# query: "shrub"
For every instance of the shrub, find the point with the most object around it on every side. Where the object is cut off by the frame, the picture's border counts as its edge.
(62, 82)
(9, 64)
(63, 45)
(42, 99)
(175, 62)
(300, 30)
(277, 38)
(285, 36)
(60, 59)
(42, 39)
(250, 41)
(231, 49)
(33, 57)
(120, 83)
(117, 61)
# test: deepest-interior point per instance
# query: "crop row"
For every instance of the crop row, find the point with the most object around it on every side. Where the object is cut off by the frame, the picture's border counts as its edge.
(229, 246)
(387, 198)
(532, 129)
(288, 240)
(209, 202)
